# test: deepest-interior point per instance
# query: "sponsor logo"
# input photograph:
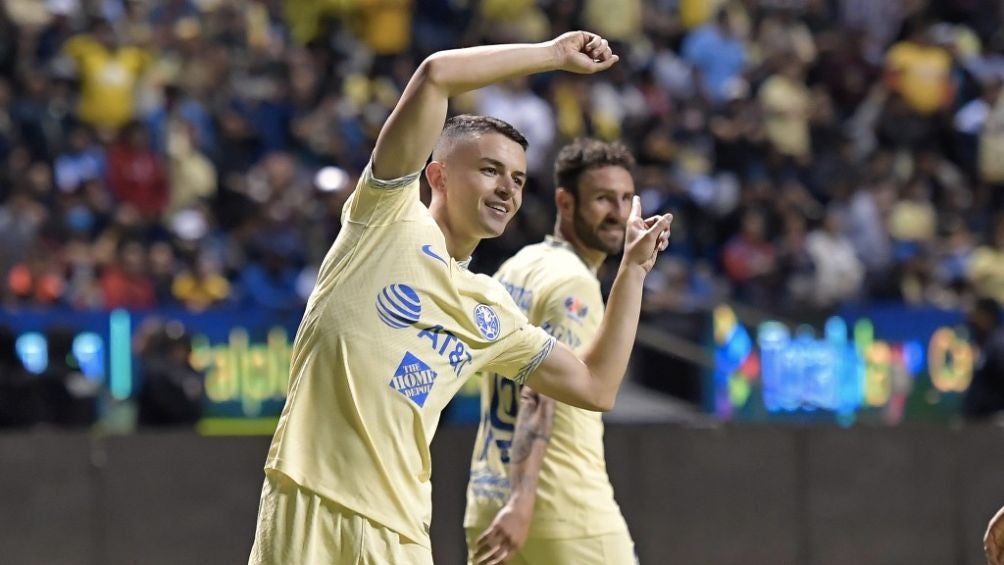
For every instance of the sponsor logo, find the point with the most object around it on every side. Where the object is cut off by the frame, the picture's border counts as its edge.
(427, 249)
(446, 344)
(398, 306)
(575, 308)
(413, 379)
(487, 321)
(522, 296)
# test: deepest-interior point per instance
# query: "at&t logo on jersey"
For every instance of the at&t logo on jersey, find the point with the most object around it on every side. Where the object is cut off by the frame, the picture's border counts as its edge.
(487, 321)
(413, 378)
(398, 305)
(448, 346)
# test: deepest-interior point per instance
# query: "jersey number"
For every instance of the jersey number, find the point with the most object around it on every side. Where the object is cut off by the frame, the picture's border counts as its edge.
(503, 408)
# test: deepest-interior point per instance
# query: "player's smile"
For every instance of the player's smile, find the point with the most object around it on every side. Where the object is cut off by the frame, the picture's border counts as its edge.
(499, 210)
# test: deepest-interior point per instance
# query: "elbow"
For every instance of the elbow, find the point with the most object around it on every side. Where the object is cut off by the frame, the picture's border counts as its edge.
(602, 404)
(607, 405)
(433, 71)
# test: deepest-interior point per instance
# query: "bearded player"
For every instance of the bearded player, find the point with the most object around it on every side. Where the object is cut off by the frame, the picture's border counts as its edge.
(539, 492)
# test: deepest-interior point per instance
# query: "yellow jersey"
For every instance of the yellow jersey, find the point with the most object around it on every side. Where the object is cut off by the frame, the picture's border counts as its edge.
(390, 333)
(108, 80)
(561, 294)
(923, 75)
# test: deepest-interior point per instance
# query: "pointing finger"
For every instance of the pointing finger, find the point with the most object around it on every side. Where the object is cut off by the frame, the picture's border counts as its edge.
(635, 207)
(661, 226)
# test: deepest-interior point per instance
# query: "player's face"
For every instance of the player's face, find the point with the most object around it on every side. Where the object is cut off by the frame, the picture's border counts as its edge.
(485, 178)
(602, 208)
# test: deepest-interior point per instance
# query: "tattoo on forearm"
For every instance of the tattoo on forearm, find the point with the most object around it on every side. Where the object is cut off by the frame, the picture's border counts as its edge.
(522, 443)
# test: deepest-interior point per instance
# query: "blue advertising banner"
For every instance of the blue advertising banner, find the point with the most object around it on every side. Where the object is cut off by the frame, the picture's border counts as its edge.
(881, 363)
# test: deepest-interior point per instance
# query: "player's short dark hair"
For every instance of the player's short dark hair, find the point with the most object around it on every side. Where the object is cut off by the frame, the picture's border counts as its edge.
(467, 125)
(585, 153)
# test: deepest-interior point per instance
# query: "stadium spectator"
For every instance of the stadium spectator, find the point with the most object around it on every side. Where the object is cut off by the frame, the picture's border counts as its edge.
(201, 286)
(786, 104)
(838, 272)
(127, 283)
(750, 259)
(985, 396)
(136, 175)
(80, 162)
(171, 389)
(20, 401)
(69, 398)
(717, 55)
(108, 73)
(986, 268)
(38, 279)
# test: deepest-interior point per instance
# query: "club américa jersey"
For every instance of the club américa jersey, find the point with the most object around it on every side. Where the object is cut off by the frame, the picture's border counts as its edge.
(561, 294)
(391, 331)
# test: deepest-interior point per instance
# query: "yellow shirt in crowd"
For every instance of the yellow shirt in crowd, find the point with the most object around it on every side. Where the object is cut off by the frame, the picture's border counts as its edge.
(920, 75)
(108, 80)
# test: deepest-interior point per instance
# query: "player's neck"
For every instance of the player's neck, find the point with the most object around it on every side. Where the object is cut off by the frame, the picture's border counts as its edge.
(593, 258)
(459, 247)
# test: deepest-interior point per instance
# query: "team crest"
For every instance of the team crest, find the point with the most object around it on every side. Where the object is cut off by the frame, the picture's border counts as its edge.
(487, 321)
(575, 308)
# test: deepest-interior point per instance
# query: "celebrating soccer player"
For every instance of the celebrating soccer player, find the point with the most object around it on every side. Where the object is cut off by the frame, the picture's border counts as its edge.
(397, 323)
(522, 506)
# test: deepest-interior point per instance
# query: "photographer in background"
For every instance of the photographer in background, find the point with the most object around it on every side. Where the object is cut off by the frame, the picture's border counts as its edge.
(985, 396)
(171, 392)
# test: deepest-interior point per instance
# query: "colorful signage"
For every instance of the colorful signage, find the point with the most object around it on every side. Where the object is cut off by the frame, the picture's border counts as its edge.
(860, 362)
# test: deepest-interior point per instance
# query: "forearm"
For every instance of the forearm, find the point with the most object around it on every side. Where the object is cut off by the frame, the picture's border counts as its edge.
(460, 70)
(412, 129)
(608, 355)
(529, 446)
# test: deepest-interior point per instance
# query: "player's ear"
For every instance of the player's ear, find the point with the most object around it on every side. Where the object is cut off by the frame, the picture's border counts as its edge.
(435, 173)
(564, 200)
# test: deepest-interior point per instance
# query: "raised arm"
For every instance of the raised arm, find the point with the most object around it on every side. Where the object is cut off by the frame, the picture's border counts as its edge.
(508, 531)
(411, 131)
(593, 381)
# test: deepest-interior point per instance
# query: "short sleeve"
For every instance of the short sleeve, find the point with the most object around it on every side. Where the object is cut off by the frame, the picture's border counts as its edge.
(572, 311)
(517, 354)
(380, 202)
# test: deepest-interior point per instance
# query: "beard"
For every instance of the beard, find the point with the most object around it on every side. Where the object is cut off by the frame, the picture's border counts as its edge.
(590, 235)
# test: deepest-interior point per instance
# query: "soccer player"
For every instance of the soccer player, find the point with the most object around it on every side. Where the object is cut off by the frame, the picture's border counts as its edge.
(397, 323)
(524, 507)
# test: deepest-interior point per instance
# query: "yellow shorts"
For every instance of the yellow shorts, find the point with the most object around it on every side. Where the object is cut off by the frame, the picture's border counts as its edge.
(296, 526)
(606, 549)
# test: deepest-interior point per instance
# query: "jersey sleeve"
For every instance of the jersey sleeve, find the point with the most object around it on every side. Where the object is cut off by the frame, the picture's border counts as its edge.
(571, 311)
(378, 202)
(518, 353)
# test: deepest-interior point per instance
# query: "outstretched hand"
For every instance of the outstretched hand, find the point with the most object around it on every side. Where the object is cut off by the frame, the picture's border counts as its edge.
(645, 238)
(583, 52)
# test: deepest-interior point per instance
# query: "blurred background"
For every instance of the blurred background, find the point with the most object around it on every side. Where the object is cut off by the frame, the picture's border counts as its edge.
(819, 376)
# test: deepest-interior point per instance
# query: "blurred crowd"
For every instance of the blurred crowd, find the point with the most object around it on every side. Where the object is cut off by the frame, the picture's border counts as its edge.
(198, 152)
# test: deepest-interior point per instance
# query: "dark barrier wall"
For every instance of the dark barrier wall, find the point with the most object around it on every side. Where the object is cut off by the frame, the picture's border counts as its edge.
(752, 495)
